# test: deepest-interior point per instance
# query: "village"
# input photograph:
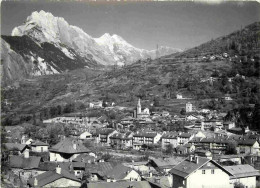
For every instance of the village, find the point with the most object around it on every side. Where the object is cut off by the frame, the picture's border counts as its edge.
(144, 149)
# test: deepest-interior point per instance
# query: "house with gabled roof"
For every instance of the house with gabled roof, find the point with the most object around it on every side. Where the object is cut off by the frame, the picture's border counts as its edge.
(248, 146)
(39, 146)
(121, 184)
(122, 140)
(164, 164)
(243, 174)
(175, 138)
(14, 148)
(24, 165)
(197, 171)
(122, 173)
(56, 178)
(67, 150)
(103, 135)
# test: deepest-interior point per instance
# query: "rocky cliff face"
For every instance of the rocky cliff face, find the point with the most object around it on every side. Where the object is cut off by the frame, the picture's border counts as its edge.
(45, 44)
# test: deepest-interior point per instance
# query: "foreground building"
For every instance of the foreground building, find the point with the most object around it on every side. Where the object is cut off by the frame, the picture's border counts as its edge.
(243, 174)
(200, 172)
(56, 178)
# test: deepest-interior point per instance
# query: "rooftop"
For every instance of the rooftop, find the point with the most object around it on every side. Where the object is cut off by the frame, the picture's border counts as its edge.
(66, 146)
(121, 184)
(240, 171)
(24, 163)
(51, 176)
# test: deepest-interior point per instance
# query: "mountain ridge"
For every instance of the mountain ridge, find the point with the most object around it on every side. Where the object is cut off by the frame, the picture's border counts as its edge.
(44, 27)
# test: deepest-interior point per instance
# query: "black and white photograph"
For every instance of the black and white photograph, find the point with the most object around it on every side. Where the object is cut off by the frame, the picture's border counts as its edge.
(130, 94)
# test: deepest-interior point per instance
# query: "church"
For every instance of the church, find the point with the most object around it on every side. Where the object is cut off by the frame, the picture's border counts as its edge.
(138, 113)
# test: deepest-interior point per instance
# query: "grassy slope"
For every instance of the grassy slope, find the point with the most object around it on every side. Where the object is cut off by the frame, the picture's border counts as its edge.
(147, 79)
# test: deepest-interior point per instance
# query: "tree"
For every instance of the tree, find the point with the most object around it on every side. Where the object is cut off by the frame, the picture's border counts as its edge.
(232, 147)
(156, 102)
(169, 149)
(183, 111)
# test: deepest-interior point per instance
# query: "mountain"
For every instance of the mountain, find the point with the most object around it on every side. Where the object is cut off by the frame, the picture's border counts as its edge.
(244, 42)
(155, 81)
(106, 50)
(45, 45)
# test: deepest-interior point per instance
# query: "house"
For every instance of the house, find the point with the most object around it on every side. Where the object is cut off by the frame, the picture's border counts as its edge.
(122, 184)
(97, 104)
(243, 174)
(205, 111)
(169, 138)
(179, 96)
(86, 158)
(38, 146)
(191, 118)
(229, 125)
(225, 159)
(67, 150)
(99, 171)
(24, 166)
(213, 122)
(185, 149)
(175, 139)
(122, 140)
(198, 171)
(121, 172)
(85, 135)
(15, 148)
(141, 166)
(57, 178)
(145, 138)
(164, 164)
(227, 98)
(25, 140)
(103, 135)
(248, 146)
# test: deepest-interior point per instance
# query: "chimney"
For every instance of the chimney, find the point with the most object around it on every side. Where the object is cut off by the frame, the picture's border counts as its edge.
(74, 145)
(26, 154)
(151, 174)
(190, 158)
(35, 183)
(197, 159)
(58, 169)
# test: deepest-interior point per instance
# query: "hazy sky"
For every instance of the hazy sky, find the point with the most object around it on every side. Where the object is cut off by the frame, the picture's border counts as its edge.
(142, 24)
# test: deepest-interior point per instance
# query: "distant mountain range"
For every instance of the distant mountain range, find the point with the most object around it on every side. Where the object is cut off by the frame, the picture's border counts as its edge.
(45, 44)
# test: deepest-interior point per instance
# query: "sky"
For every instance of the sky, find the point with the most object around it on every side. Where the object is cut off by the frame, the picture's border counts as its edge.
(143, 24)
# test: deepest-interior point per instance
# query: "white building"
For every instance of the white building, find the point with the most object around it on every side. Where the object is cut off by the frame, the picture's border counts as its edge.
(200, 172)
(39, 146)
(189, 107)
(179, 96)
(146, 138)
(86, 135)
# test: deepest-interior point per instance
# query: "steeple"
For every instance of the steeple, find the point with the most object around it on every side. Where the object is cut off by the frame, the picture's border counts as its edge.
(139, 107)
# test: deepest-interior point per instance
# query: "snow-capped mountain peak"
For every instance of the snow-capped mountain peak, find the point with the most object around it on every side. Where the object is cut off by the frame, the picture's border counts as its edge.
(107, 50)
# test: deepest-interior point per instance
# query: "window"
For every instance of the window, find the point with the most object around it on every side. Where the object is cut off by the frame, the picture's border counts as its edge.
(212, 171)
(203, 172)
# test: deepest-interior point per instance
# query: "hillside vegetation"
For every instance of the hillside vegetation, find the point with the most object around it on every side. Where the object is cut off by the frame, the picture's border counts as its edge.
(227, 65)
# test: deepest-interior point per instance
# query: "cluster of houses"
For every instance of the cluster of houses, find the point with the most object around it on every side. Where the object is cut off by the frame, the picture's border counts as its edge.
(197, 157)
(71, 164)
